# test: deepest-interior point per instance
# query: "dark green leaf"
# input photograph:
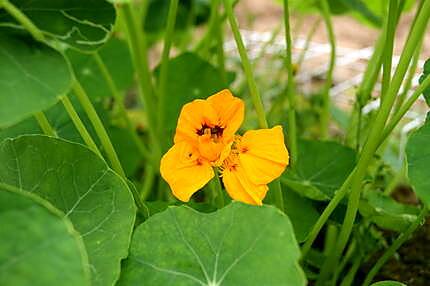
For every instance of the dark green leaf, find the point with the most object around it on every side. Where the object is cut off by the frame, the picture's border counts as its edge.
(321, 169)
(38, 245)
(78, 182)
(426, 73)
(32, 77)
(237, 245)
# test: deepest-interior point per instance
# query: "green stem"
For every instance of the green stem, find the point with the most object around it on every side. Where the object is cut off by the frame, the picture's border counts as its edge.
(44, 124)
(148, 183)
(292, 127)
(162, 87)
(119, 100)
(394, 247)
(23, 20)
(138, 50)
(325, 115)
(330, 238)
(219, 33)
(349, 277)
(253, 90)
(216, 188)
(388, 47)
(345, 259)
(79, 125)
(309, 37)
(98, 127)
(373, 140)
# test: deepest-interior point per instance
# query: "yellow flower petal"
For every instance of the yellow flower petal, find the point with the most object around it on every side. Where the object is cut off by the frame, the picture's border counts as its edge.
(263, 155)
(185, 171)
(240, 188)
(230, 110)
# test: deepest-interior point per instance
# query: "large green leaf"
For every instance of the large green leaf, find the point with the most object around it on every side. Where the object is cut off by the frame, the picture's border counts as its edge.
(82, 24)
(386, 212)
(418, 154)
(32, 76)
(388, 283)
(116, 56)
(237, 245)
(38, 245)
(321, 169)
(189, 77)
(78, 182)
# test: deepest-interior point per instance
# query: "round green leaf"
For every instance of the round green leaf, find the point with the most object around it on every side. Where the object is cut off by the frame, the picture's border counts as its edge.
(237, 245)
(38, 245)
(32, 76)
(82, 24)
(388, 283)
(79, 183)
(418, 154)
(321, 170)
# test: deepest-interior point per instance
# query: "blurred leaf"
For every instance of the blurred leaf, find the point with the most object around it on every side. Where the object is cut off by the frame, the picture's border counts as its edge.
(38, 245)
(426, 73)
(302, 213)
(32, 75)
(189, 78)
(386, 212)
(388, 283)
(237, 245)
(321, 169)
(82, 24)
(78, 182)
(116, 56)
(418, 156)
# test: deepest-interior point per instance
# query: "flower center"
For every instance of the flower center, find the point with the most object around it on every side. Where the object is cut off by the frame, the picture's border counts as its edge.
(214, 132)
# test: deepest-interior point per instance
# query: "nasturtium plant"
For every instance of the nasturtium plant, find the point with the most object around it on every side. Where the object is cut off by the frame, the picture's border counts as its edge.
(81, 24)
(27, 83)
(426, 73)
(322, 168)
(38, 244)
(237, 245)
(79, 183)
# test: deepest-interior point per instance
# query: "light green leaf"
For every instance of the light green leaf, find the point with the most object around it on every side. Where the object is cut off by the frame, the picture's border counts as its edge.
(237, 245)
(321, 170)
(418, 154)
(79, 183)
(32, 76)
(38, 245)
(388, 283)
(386, 212)
(82, 24)
(116, 56)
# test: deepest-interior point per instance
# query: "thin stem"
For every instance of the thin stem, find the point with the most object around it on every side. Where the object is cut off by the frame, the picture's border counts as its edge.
(138, 50)
(373, 140)
(162, 87)
(120, 102)
(79, 125)
(148, 182)
(278, 196)
(394, 247)
(253, 90)
(219, 33)
(309, 37)
(44, 124)
(330, 238)
(98, 127)
(349, 277)
(216, 189)
(23, 20)
(325, 115)
(388, 47)
(292, 127)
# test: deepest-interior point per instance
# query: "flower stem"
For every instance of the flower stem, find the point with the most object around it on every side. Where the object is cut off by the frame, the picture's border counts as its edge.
(292, 128)
(394, 247)
(98, 127)
(162, 84)
(325, 115)
(219, 34)
(309, 37)
(122, 110)
(79, 125)
(216, 188)
(23, 20)
(373, 140)
(44, 124)
(253, 90)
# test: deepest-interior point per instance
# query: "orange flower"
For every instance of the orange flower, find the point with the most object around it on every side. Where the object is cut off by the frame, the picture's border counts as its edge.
(205, 139)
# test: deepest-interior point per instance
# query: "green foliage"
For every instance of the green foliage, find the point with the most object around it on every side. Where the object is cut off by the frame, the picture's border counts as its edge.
(426, 73)
(79, 183)
(418, 154)
(38, 245)
(81, 24)
(388, 283)
(27, 83)
(239, 244)
(321, 170)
